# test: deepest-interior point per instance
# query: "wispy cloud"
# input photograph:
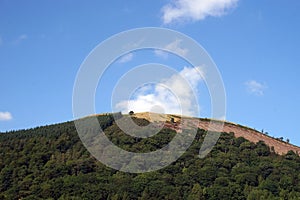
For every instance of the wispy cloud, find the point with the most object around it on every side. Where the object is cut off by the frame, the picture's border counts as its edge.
(133, 44)
(23, 37)
(5, 116)
(126, 58)
(173, 95)
(174, 47)
(256, 88)
(20, 39)
(161, 53)
(194, 10)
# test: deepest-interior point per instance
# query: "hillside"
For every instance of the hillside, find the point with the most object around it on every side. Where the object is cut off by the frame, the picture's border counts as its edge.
(50, 162)
(280, 146)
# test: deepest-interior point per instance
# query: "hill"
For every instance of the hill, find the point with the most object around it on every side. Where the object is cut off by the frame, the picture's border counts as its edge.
(50, 162)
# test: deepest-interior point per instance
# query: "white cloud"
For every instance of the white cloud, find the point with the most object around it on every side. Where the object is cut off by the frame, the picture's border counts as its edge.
(195, 9)
(255, 87)
(126, 58)
(174, 47)
(161, 53)
(174, 95)
(5, 116)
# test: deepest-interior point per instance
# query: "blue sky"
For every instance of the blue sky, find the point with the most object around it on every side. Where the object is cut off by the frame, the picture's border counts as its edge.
(254, 43)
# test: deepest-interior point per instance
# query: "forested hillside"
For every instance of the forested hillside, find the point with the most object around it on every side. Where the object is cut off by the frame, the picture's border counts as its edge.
(50, 162)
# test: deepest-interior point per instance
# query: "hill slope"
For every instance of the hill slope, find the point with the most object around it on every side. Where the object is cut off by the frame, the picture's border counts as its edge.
(280, 146)
(50, 162)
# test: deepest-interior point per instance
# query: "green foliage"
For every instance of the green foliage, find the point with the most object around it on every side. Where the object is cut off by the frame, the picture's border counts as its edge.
(50, 162)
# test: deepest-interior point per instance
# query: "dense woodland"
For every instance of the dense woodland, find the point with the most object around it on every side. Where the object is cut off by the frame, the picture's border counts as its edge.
(50, 162)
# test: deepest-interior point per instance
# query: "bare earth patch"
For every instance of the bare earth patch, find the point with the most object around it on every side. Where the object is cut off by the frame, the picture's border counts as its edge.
(250, 134)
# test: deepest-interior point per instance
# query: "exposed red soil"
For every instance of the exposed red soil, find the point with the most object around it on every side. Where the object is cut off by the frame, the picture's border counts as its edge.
(252, 135)
(280, 147)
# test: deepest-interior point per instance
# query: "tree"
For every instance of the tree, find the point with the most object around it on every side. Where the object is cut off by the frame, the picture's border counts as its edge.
(270, 185)
(197, 193)
(50, 162)
(257, 194)
(172, 120)
(131, 112)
